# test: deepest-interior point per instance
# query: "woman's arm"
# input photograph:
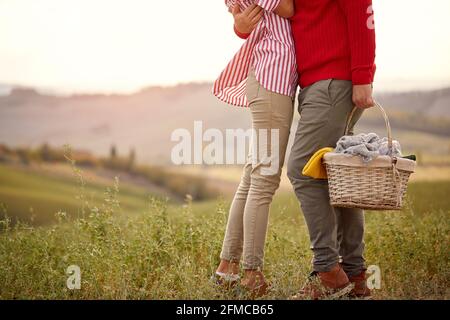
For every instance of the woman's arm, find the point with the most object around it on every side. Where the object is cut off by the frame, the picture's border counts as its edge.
(247, 20)
(285, 9)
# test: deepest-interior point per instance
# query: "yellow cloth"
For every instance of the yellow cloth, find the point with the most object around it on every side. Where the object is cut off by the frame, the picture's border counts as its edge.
(315, 168)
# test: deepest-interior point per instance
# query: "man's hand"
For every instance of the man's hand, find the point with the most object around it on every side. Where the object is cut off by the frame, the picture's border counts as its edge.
(362, 96)
(247, 20)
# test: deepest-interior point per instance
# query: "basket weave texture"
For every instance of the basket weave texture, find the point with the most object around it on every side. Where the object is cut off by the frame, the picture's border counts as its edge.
(378, 185)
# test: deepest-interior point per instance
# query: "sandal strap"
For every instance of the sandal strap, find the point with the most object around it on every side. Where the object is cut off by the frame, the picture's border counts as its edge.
(228, 277)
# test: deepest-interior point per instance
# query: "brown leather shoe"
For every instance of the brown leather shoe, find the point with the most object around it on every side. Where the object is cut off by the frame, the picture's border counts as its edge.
(255, 284)
(333, 284)
(360, 290)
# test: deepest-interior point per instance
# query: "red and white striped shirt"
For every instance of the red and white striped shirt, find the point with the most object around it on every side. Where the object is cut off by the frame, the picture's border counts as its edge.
(269, 50)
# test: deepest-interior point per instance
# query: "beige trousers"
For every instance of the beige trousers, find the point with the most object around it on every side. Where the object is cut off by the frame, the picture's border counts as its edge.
(248, 218)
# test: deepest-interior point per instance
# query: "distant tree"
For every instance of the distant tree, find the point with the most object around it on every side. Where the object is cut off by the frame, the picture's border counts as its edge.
(23, 156)
(131, 158)
(45, 153)
(113, 152)
(4, 153)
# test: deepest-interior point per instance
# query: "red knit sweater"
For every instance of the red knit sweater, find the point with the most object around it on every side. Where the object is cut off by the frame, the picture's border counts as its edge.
(334, 39)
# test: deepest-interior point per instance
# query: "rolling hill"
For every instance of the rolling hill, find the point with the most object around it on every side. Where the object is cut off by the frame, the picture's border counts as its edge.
(145, 120)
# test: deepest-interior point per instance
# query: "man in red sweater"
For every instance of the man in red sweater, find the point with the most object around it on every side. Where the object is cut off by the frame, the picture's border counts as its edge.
(335, 49)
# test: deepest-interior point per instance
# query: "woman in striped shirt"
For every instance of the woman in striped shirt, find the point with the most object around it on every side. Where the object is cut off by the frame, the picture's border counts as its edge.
(262, 76)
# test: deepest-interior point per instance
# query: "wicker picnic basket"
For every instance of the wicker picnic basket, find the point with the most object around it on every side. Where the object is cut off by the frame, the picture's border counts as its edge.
(377, 185)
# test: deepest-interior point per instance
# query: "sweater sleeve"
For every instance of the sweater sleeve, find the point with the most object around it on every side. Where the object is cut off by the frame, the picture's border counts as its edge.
(268, 5)
(362, 39)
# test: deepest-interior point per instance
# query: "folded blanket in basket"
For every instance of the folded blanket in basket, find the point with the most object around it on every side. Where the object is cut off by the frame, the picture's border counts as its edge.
(368, 146)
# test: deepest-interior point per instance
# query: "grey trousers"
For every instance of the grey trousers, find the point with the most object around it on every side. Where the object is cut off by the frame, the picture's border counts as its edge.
(336, 234)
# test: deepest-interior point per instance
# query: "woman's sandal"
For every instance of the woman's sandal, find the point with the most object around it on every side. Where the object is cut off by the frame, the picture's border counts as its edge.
(257, 289)
(229, 283)
(227, 280)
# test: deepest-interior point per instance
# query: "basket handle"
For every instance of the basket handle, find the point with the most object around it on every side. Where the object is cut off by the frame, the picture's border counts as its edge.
(386, 120)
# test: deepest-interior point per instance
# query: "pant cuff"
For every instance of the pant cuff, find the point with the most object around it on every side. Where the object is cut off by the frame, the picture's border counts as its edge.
(252, 266)
(324, 267)
(230, 258)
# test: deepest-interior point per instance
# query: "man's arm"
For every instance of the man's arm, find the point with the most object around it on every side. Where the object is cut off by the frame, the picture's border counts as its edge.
(362, 47)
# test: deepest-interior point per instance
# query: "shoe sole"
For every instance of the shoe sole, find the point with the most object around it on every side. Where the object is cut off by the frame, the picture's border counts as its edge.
(334, 296)
(342, 292)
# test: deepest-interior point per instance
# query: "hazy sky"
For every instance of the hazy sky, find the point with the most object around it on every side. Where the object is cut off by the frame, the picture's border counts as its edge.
(123, 45)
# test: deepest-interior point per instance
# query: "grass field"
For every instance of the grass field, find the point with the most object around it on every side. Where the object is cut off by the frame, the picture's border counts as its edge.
(36, 196)
(170, 251)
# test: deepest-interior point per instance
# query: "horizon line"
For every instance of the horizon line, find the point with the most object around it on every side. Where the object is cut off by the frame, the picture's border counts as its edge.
(7, 88)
